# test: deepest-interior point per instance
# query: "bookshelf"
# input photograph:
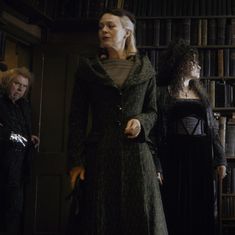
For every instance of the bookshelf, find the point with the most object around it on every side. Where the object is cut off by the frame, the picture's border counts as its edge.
(208, 25)
(212, 32)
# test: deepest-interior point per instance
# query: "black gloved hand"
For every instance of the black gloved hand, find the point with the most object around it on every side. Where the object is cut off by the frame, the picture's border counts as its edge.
(18, 139)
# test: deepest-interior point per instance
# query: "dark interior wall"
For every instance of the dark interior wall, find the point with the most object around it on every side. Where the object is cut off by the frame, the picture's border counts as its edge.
(54, 66)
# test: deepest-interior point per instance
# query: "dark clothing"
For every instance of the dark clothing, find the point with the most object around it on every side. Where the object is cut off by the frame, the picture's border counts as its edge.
(15, 161)
(186, 152)
(121, 188)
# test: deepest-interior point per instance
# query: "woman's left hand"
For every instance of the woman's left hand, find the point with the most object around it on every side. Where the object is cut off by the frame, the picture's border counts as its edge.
(133, 128)
(221, 171)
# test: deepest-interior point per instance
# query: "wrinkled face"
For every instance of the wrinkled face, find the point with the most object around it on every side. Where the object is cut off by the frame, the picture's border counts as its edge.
(111, 32)
(195, 71)
(18, 88)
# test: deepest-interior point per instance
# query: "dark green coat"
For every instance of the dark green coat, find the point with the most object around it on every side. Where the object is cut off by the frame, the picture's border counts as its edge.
(121, 189)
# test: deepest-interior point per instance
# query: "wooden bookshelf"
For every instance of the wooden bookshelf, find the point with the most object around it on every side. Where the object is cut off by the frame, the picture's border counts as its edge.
(213, 34)
(228, 199)
(207, 25)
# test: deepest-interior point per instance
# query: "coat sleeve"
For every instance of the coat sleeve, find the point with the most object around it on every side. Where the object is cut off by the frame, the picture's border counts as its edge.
(149, 115)
(77, 123)
(218, 149)
(148, 120)
(4, 133)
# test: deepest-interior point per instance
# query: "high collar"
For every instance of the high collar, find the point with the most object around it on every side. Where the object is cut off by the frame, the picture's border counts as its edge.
(141, 71)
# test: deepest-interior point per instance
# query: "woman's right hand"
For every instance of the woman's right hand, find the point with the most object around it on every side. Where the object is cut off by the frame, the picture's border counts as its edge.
(78, 171)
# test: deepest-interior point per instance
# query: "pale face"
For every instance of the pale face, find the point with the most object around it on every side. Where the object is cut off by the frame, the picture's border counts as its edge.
(18, 88)
(112, 35)
(195, 72)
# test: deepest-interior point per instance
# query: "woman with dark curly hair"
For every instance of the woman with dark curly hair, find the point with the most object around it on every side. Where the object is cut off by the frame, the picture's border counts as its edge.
(188, 144)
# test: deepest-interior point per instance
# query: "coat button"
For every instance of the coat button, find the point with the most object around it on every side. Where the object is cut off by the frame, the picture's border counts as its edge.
(118, 123)
(119, 107)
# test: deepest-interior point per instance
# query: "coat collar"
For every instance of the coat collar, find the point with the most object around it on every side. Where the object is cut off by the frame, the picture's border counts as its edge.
(141, 71)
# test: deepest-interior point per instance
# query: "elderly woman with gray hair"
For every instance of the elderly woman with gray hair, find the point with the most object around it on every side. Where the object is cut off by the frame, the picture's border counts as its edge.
(112, 159)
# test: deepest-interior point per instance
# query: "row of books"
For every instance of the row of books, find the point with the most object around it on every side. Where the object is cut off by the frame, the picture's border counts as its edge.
(146, 8)
(85, 8)
(227, 136)
(228, 209)
(180, 7)
(221, 93)
(201, 32)
(218, 63)
(229, 181)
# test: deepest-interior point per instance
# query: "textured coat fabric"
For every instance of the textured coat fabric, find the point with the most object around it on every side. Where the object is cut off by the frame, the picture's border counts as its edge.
(15, 161)
(121, 189)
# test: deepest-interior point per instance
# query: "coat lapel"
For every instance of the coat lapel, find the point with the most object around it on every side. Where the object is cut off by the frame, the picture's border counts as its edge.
(141, 71)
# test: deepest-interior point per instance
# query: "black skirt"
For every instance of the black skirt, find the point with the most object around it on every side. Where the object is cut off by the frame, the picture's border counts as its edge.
(188, 189)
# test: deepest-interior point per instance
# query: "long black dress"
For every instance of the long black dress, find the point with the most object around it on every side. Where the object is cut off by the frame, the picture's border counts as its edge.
(188, 190)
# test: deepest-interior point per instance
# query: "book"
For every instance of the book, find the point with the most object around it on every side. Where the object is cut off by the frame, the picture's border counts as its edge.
(211, 92)
(156, 32)
(207, 63)
(220, 94)
(230, 137)
(213, 62)
(202, 7)
(194, 32)
(226, 62)
(228, 32)
(220, 63)
(204, 32)
(168, 31)
(199, 35)
(233, 32)
(233, 183)
(186, 30)
(232, 62)
(222, 130)
(221, 26)
(211, 28)
(229, 7)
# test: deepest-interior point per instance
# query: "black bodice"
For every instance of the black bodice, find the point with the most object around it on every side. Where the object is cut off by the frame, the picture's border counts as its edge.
(186, 117)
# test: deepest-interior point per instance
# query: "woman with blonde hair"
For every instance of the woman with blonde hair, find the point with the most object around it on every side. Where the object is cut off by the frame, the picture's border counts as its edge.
(120, 193)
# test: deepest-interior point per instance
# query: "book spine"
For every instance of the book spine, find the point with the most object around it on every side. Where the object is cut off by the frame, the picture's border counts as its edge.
(204, 32)
(222, 129)
(232, 62)
(168, 31)
(211, 93)
(186, 30)
(211, 31)
(221, 63)
(226, 62)
(207, 63)
(221, 25)
(199, 40)
(156, 32)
